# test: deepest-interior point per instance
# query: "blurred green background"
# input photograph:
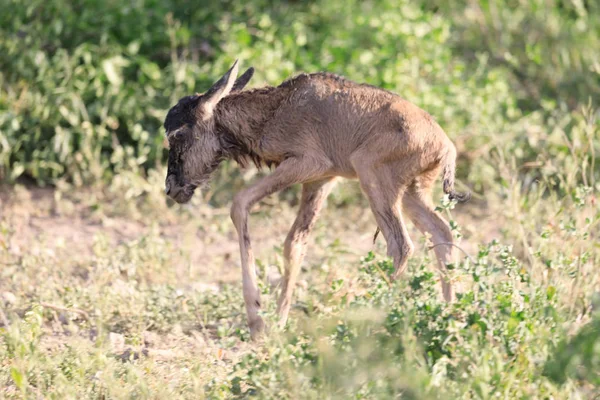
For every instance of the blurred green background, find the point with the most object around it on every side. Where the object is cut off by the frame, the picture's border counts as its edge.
(85, 85)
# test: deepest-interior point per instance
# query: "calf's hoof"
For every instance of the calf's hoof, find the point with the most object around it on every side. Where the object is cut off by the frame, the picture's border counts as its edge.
(257, 328)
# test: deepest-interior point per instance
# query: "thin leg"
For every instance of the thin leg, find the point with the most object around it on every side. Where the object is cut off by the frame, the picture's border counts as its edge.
(289, 172)
(313, 197)
(420, 210)
(385, 192)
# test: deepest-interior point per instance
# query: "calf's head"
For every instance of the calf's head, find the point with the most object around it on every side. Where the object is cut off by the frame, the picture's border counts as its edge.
(195, 148)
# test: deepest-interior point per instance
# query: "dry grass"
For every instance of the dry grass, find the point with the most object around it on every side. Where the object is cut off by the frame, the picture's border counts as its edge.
(147, 303)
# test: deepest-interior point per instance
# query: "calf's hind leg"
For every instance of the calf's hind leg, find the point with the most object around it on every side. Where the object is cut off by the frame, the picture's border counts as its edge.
(385, 191)
(417, 203)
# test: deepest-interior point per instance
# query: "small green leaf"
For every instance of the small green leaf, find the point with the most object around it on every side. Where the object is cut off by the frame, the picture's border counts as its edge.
(17, 377)
(550, 292)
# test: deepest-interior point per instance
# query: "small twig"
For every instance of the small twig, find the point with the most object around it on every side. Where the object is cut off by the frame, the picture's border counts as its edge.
(375, 235)
(9, 264)
(66, 309)
(383, 275)
(458, 247)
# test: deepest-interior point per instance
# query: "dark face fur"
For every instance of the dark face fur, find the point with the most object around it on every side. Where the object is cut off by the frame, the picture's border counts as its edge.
(194, 151)
(194, 146)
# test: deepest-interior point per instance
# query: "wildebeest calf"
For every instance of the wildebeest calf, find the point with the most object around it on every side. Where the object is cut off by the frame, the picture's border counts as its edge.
(314, 128)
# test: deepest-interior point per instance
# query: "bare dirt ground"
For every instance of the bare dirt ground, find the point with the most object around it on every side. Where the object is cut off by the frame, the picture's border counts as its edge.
(208, 240)
(202, 254)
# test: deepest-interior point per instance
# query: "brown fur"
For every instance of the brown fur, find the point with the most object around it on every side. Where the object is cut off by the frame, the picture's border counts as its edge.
(313, 128)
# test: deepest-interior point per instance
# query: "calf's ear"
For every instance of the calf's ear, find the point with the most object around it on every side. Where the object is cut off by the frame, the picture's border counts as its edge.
(243, 80)
(219, 89)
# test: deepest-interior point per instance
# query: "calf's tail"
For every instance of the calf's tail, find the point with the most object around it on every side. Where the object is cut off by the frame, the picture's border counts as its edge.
(448, 176)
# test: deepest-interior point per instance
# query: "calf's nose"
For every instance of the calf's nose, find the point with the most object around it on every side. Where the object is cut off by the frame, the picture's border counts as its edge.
(170, 186)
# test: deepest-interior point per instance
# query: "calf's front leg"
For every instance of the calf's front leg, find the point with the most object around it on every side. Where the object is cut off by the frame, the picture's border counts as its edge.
(294, 249)
(289, 172)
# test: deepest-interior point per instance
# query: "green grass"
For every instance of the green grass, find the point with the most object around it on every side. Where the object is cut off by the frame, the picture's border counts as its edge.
(129, 320)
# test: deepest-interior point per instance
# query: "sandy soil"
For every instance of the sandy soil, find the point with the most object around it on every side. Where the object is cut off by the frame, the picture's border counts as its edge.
(207, 244)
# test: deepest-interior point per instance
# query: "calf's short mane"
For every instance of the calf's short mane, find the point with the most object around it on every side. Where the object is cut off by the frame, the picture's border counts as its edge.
(241, 116)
